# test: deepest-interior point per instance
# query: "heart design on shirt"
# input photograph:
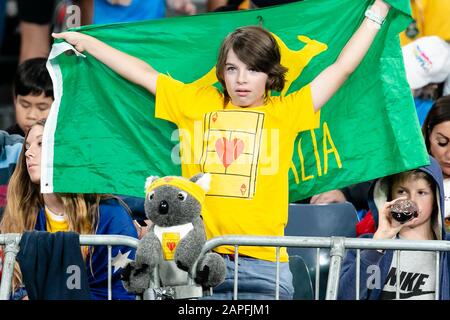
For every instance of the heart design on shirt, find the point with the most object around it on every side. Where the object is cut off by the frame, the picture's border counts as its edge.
(229, 150)
(171, 245)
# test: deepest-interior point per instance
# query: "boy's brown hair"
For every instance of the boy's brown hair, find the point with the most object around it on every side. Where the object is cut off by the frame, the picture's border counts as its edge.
(258, 49)
(412, 174)
(415, 175)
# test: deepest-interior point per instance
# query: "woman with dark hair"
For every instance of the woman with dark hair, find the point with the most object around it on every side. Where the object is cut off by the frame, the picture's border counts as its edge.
(436, 132)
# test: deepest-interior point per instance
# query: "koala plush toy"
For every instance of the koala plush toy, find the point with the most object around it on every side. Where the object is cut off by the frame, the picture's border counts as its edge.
(174, 242)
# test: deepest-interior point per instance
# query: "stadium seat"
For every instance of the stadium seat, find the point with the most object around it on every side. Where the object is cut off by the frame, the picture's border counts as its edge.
(336, 219)
(303, 289)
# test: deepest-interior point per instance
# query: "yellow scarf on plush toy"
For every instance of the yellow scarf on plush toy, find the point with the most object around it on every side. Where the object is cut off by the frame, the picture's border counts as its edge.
(181, 183)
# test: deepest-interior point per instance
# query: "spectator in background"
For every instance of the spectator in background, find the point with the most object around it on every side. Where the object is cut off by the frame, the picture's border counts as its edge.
(417, 268)
(427, 65)
(28, 209)
(2, 20)
(33, 95)
(35, 23)
(230, 5)
(110, 11)
(227, 5)
(10, 146)
(267, 3)
(356, 194)
(436, 132)
(431, 18)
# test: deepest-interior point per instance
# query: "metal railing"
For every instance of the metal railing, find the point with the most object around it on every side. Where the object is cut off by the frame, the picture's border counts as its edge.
(337, 246)
(11, 248)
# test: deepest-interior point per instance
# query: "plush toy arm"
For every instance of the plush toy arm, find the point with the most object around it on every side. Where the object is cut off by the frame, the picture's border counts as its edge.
(149, 251)
(136, 275)
(189, 248)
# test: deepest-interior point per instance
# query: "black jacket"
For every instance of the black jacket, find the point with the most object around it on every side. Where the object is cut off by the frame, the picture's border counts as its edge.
(52, 266)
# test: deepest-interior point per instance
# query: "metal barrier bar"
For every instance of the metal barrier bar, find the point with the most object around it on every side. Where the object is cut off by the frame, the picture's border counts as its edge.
(397, 276)
(338, 246)
(324, 242)
(259, 241)
(277, 277)
(337, 255)
(11, 242)
(408, 245)
(317, 280)
(437, 288)
(236, 267)
(12, 248)
(109, 273)
(358, 272)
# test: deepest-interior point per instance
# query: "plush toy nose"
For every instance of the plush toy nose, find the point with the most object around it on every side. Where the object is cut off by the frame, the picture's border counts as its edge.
(163, 207)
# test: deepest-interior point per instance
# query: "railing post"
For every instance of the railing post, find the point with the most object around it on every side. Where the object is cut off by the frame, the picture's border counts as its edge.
(336, 254)
(11, 250)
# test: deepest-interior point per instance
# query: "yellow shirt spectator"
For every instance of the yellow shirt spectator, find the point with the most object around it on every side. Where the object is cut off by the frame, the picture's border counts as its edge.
(432, 19)
(247, 151)
(55, 222)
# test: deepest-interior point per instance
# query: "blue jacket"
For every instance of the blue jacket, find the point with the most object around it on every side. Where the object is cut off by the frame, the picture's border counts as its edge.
(377, 198)
(114, 219)
(10, 147)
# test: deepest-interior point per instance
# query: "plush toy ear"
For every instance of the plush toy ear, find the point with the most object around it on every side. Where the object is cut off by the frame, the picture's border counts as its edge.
(203, 180)
(149, 181)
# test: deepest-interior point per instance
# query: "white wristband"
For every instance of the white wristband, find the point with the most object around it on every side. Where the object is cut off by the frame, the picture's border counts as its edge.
(375, 17)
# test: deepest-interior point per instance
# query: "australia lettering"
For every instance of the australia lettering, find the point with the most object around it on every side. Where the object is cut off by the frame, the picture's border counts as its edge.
(325, 149)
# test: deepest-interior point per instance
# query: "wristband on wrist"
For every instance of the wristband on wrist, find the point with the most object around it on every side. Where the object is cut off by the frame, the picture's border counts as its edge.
(375, 17)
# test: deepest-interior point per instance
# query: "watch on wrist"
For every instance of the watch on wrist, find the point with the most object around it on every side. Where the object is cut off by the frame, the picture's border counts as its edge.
(375, 17)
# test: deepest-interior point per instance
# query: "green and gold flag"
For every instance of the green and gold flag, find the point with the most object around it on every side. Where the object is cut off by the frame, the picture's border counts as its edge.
(102, 136)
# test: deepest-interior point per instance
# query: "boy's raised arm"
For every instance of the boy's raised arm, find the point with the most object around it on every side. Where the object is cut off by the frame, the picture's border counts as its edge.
(331, 79)
(129, 67)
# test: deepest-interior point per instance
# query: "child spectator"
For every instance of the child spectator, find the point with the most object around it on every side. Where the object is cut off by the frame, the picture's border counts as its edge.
(236, 123)
(33, 95)
(27, 209)
(418, 268)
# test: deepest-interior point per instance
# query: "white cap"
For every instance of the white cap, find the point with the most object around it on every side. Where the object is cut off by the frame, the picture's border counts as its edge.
(427, 60)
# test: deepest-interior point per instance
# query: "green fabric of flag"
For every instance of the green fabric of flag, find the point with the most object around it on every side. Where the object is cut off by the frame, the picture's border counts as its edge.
(101, 135)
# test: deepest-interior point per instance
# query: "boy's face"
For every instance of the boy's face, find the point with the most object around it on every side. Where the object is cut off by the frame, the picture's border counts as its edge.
(245, 86)
(30, 109)
(419, 191)
(440, 146)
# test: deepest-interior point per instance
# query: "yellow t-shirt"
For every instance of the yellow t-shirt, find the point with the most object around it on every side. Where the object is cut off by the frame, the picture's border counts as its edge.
(247, 151)
(55, 222)
(432, 19)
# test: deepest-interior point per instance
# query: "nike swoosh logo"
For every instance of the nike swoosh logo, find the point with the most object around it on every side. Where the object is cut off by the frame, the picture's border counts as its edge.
(391, 295)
